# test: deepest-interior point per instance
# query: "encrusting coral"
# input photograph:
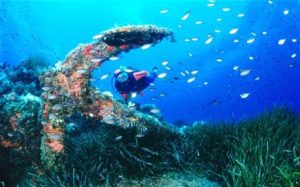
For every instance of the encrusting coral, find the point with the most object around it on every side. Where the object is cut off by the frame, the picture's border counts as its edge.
(67, 87)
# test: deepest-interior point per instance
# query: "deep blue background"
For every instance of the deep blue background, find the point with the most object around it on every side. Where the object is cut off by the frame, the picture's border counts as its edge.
(52, 28)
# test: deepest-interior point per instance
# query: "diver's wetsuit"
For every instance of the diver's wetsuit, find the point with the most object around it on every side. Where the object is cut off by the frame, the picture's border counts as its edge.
(132, 85)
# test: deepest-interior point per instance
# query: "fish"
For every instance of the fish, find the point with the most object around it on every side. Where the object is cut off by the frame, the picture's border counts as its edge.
(183, 74)
(155, 111)
(191, 79)
(187, 72)
(185, 16)
(293, 55)
(294, 40)
(187, 40)
(162, 94)
(251, 58)
(46, 88)
(235, 68)
(57, 107)
(226, 9)
(105, 76)
(180, 26)
(133, 95)
(82, 71)
(264, 33)
(162, 75)
(219, 60)
(217, 31)
(233, 31)
(198, 22)
(195, 39)
(52, 97)
(96, 60)
(219, 19)
(168, 68)
(114, 58)
(205, 83)
(152, 89)
(97, 36)
(140, 135)
(153, 98)
(236, 41)
(286, 12)
(118, 138)
(164, 62)
(146, 46)
(250, 40)
(253, 34)
(164, 11)
(245, 72)
(108, 93)
(270, 2)
(281, 41)
(240, 15)
(190, 54)
(244, 95)
(257, 78)
(194, 72)
(209, 40)
(211, 4)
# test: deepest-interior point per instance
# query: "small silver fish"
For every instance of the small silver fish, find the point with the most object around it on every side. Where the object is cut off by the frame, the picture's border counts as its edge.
(233, 31)
(97, 37)
(244, 95)
(250, 40)
(191, 79)
(154, 111)
(164, 11)
(186, 15)
(164, 62)
(245, 72)
(146, 46)
(104, 76)
(209, 40)
(139, 135)
(162, 75)
(57, 107)
(113, 58)
(96, 60)
(194, 72)
(168, 68)
(82, 71)
(52, 97)
(46, 88)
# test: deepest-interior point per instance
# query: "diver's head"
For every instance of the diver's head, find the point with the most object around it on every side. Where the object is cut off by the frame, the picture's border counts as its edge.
(122, 77)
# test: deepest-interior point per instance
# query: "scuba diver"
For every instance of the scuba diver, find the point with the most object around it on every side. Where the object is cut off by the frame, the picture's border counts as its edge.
(129, 81)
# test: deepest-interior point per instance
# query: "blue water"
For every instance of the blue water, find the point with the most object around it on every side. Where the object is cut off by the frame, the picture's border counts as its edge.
(52, 28)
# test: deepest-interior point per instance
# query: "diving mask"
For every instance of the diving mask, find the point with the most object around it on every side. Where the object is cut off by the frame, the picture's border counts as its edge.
(122, 77)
